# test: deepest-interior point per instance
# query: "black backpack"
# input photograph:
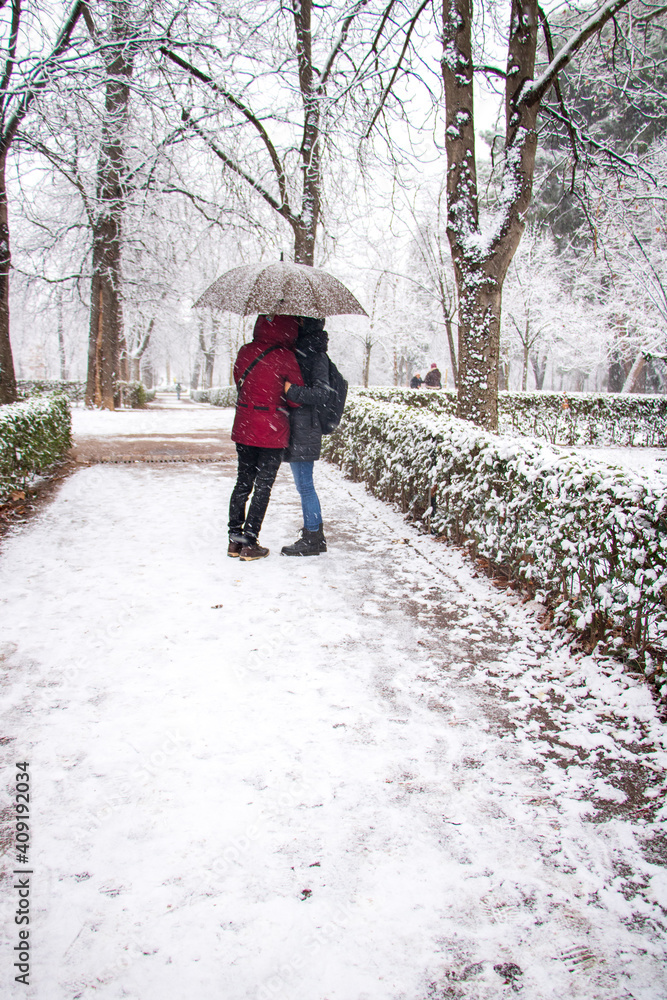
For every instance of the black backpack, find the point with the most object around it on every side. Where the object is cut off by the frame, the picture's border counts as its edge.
(329, 414)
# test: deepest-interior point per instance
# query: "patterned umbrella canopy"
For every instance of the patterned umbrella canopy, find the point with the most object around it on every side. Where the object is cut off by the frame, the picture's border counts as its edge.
(281, 289)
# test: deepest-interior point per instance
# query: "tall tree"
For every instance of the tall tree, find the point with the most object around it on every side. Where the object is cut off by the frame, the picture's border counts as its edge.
(298, 203)
(106, 334)
(482, 255)
(22, 78)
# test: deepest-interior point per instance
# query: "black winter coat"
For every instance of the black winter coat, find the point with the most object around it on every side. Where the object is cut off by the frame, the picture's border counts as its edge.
(305, 432)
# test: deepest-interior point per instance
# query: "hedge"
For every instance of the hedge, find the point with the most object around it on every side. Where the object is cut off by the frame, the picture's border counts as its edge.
(587, 539)
(33, 436)
(223, 396)
(132, 394)
(603, 419)
(26, 388)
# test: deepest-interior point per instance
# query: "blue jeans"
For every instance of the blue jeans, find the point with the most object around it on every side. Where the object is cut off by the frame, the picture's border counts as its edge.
(310, 504)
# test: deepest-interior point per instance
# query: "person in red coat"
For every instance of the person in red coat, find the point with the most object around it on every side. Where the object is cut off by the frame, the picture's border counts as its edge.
(261, 427)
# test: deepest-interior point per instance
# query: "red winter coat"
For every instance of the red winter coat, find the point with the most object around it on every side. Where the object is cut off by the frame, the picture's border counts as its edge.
(262, 415)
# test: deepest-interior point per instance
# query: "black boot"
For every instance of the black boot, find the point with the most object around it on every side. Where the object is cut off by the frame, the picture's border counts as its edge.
(311, 543)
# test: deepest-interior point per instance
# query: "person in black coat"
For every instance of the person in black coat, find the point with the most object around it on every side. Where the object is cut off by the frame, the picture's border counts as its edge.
(306, 433)
(416, 381)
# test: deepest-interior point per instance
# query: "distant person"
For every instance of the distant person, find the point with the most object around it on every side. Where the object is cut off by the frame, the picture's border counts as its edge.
(261, 427)
(306, 432)
(416, 381)
(178, 390)
(433, 377)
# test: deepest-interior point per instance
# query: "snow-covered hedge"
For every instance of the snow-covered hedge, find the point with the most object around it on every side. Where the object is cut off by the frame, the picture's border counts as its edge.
(588, 539)
(26, 388)
(134, 395)
(223, 396)
(604, 419)
(33, 435)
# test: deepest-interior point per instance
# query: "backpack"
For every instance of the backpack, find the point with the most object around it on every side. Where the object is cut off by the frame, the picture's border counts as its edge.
(330, 412)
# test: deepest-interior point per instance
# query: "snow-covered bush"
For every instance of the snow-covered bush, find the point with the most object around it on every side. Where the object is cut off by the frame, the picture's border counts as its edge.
(75, 391)
(223, 396)
(588, 539)
(604, 419)
(33, 435)
(132, 394)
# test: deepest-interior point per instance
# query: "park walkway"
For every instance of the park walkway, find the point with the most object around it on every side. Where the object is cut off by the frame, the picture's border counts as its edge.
(364, 776)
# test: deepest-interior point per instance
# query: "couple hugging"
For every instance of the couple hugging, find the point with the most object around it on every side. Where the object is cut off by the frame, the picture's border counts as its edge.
(281, 378)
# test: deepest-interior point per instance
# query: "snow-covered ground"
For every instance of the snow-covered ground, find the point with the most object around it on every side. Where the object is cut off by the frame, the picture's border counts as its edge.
(363, 776)
(649, 462)
(171, 418)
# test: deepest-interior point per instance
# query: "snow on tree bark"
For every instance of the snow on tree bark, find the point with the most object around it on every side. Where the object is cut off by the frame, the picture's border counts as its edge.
(7, 375)
(105, 334)
(481, 256)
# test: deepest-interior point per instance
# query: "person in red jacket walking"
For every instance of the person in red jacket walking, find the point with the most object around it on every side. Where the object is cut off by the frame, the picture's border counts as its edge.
(261, 427)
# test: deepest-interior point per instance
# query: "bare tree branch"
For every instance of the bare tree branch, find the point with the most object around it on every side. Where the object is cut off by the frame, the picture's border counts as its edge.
(11, 52)
(568, 121)
(282, 208)
(41, 75)
(533, 92)
(245, 111)
(387, 90)
(339, 44)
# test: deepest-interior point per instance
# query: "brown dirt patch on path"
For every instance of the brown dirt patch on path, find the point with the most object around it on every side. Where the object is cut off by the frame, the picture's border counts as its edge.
(189, 446)
(208, 446)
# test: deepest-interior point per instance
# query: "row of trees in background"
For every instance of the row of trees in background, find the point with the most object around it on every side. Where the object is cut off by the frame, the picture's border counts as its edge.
(153, 145)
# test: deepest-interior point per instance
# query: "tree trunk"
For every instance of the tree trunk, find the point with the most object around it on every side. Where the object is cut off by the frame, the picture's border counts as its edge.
(123, 358)
(526, 351)
(209, 362)
(539, 370)
(105, 332)
(208, 352)
(503, 375)
(479, 347)
(105, 317)
(305, 227)
(140, 342)
(39, 77)
(304, 243)
(635, 373)
(481, 258)
(62, 354)
(450, 341)
(368, 347)
(7, 376)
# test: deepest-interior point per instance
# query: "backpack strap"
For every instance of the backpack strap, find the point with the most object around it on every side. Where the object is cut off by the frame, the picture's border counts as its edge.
(241, 381)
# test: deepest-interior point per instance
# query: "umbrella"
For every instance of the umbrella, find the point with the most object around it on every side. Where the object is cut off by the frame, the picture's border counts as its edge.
(281, 289)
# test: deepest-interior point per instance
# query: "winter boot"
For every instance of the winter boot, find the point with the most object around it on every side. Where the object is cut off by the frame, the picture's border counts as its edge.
(253, 550)
(311, 543)
(234, 549)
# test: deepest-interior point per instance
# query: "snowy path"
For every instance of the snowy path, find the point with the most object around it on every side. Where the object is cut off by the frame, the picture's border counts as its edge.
(365, 776)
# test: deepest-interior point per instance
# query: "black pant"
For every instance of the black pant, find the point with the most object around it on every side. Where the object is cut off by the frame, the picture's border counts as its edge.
(258, 468)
